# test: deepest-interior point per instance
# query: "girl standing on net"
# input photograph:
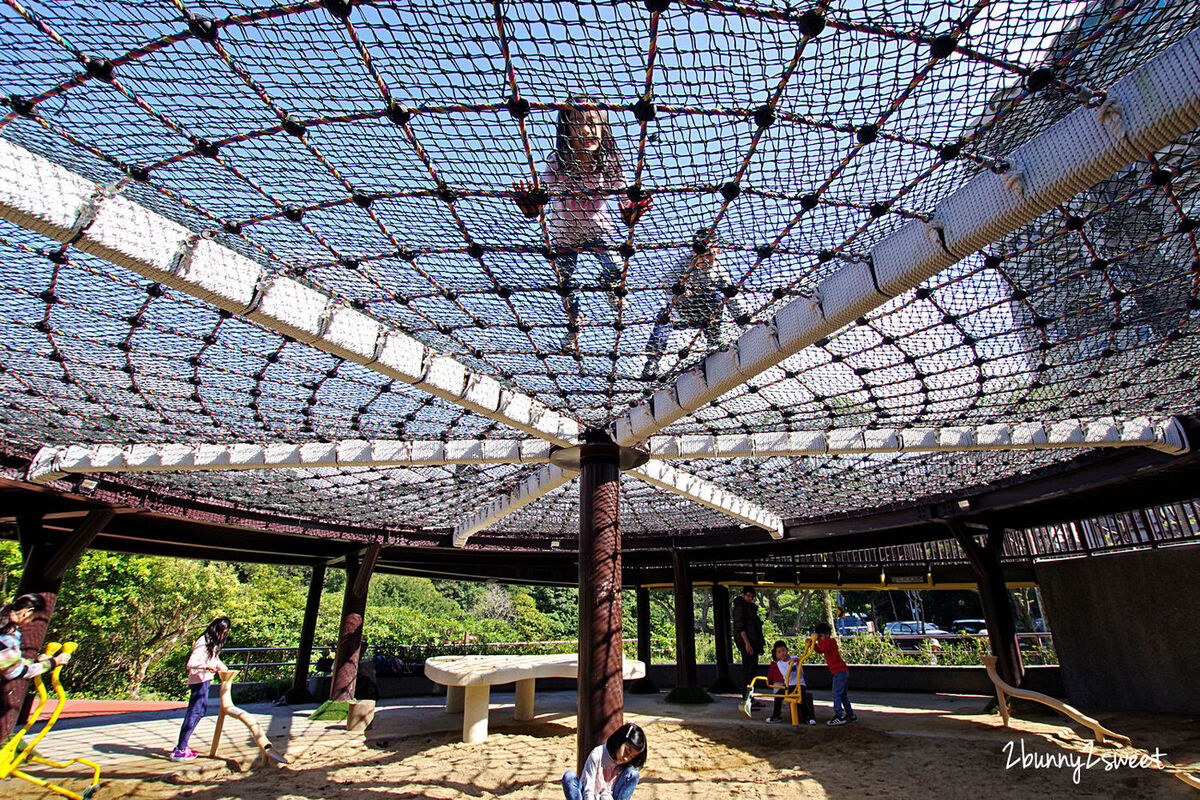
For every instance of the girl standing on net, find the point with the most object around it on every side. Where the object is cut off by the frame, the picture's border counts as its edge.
(202, 665)
(611, 770)
(585, 160)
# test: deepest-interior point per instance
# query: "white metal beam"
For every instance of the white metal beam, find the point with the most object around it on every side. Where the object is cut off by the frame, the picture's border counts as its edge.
(656, 473)
(708, 494)
(48, 199)
(1144, 111)
(536, 485)
(1166, 435)
(52, 463)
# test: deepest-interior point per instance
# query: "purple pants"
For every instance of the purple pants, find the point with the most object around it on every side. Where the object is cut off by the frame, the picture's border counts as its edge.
(196, 708)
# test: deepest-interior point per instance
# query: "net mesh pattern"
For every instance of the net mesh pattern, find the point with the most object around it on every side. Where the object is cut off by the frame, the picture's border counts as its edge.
(380, 151)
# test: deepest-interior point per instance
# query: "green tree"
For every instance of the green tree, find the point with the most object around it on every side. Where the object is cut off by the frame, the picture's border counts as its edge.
(129, 612)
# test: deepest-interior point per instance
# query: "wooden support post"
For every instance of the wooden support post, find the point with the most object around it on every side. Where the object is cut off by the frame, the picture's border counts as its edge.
(645, 651)
(46, 561)
(724, 641)
(685, 624)
(601, 689)
(993, 596)
(308, 628)
(354, 606)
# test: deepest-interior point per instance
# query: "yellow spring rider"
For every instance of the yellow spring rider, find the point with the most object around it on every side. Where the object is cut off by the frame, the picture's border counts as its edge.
(12, 756)
(792, 694)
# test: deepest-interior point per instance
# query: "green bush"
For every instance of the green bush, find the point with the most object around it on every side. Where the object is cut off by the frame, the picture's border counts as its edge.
(265, 692)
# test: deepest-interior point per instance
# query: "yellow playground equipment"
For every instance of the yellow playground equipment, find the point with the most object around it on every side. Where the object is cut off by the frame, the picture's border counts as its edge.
(792, 696)
(13, 755)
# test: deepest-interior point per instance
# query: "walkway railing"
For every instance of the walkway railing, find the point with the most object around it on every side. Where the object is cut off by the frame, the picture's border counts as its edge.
(1177, 523)
(258, 664)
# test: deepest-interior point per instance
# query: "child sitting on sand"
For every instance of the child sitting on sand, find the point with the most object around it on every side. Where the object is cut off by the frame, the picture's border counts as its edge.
(826, 645)
(781, 662)
(611, 770)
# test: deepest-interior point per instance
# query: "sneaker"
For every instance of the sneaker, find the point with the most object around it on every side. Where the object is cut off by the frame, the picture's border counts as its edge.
(774, 719)
(186, 754)
(812, 722)
(852, 718)
(837, 721)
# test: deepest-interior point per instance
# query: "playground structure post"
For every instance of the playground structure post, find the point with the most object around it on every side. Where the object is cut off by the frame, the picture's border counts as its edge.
(354, 606)
(46, 559)
(993, 596)
(228, 709)
(601, 689)
(724, 640)
(645, 645)
(308, 628)
(685, 623)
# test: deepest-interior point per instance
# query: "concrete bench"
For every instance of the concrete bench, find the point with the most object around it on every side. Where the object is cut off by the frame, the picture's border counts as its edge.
(469, 680)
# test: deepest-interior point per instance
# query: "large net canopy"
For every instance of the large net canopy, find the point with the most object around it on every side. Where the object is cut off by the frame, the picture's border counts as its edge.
(419, 162)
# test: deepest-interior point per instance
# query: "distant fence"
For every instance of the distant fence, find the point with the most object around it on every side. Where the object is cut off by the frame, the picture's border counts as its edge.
(259, 664)
(279, 663)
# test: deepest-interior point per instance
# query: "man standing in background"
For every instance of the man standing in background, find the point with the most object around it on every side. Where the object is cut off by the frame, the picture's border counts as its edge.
(747, 634)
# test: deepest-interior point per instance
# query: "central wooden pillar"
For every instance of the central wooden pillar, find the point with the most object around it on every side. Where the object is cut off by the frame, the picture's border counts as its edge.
(601, 696)
(601, 699)
(354, 606)
(308, 628)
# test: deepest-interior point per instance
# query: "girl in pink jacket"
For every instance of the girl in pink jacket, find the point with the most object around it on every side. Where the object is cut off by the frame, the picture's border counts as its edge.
(202, 665)
(585, 165)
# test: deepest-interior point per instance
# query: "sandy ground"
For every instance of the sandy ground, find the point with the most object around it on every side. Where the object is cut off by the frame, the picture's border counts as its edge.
(903, 747)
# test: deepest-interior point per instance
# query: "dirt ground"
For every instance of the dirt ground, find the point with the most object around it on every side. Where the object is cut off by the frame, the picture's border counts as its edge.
(893, 752)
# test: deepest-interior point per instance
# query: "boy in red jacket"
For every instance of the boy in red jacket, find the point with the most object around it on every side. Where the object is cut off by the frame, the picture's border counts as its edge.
(826, 645)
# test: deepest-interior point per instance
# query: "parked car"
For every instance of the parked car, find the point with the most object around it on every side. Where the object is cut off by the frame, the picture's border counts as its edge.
(908, 633)
(851, 625)
(972, 626)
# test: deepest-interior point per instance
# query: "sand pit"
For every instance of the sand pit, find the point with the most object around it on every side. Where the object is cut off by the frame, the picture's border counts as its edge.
(895, 751)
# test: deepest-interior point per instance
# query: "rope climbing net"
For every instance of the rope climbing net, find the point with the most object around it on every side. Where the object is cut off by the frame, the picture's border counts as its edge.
(417, 162)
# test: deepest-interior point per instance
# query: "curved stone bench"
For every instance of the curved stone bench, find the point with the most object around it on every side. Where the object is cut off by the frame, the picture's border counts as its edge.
(469, 680)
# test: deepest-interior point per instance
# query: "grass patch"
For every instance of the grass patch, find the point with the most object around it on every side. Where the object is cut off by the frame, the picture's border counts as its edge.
(332, 711)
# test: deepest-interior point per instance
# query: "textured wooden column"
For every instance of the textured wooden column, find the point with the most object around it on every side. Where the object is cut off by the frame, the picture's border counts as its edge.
(724, 641)
(354, 606)
(644, 649)
(993, 596)
(645, 645)
(601, 695)
(46, 561)
(685, 623)
(308, 628)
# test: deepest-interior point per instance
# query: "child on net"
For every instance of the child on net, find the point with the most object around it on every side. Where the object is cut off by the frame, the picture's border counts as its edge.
(585, 159)
(695, 289)
(780, 663)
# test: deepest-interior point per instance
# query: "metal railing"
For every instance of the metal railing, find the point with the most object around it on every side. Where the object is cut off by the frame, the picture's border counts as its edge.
(398, 659)
(1176, 523)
